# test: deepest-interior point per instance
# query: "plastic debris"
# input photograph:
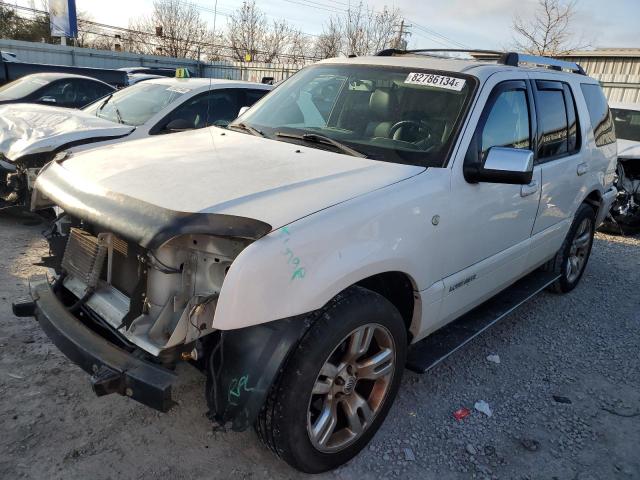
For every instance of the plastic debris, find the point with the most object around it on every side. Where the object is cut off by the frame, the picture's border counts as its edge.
(559, 399)
(408, 455)
(493, 358)
(17, 377)
(471, 450)
(461, 413)
(483, 407)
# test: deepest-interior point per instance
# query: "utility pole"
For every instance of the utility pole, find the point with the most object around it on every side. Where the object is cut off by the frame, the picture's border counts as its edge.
(215, 15)
(400, 35)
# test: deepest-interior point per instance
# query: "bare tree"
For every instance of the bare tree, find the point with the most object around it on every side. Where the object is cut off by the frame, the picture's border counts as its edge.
(299, 47)
(329, 43)
(549, 30)
(249, 34)
(363, 31)
(246, 30)
(276, 40)
(178, 29)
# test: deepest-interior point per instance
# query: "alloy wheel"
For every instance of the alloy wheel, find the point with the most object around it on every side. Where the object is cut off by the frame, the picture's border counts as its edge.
(579, 250)
(351, 388)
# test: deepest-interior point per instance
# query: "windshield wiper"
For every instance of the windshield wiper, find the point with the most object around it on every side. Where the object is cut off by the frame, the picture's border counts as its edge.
(106, 100)
(246, 128)
(323, 139)
(115, 108)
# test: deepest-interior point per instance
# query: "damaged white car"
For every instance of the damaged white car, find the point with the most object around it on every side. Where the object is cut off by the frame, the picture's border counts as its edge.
(339, 230)
(31, 135)
(625, 213)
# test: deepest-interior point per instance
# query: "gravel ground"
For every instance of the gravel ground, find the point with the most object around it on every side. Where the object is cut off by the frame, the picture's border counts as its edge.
(581, 348)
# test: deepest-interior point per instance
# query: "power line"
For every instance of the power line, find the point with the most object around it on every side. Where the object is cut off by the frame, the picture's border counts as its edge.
(149, 36)
(433, 33)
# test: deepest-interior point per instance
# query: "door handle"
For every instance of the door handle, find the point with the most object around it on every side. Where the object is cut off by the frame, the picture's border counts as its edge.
(582, 168)
(530, 189)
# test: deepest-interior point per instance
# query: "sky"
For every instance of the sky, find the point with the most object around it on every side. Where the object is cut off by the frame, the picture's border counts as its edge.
(472, 23)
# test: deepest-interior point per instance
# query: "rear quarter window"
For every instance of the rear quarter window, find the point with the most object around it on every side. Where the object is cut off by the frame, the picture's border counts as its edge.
(601, 120)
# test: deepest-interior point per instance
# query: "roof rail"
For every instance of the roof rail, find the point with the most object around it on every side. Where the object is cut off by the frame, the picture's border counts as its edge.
(389, 52)
(513, 59)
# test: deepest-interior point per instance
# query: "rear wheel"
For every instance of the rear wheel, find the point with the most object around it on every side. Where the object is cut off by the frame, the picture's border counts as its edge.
(338, 385)
(572, 258)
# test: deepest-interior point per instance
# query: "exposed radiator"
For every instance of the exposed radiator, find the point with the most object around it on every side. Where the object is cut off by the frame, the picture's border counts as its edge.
(84, 257)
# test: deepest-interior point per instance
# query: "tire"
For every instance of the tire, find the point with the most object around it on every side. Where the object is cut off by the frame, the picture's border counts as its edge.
(292, 414)
(576, 245)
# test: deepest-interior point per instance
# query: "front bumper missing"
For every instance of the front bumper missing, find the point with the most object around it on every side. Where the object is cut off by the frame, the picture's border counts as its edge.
(113, 370)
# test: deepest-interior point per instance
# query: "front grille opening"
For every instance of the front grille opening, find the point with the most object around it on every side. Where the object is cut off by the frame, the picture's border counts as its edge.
(94, 322)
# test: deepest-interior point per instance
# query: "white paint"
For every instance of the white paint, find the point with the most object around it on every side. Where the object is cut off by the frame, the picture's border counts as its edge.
(26, 129)
(349, 218)
(29, 128)
(209, 170)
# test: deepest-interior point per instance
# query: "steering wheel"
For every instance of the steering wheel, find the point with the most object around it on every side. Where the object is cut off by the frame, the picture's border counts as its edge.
(413, 126)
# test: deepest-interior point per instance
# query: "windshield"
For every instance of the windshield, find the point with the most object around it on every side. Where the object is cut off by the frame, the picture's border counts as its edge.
(21, 88)
(136, 104)
(627, 124)
(385, 113)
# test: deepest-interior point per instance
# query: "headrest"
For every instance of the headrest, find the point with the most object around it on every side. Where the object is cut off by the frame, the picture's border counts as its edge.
(382, 103)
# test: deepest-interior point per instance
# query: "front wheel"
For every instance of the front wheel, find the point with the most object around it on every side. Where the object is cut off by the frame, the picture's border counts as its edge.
(338, 385)
(571, 260)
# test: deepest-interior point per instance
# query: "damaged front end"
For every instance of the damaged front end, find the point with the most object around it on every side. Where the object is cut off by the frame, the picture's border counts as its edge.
(624, 216)
(17, 179)
(135, 292)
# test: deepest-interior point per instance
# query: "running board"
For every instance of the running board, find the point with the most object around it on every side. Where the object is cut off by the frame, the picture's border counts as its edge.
(429, 352)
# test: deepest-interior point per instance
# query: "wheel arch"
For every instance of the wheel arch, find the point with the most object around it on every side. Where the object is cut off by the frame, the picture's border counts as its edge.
(399, 289)
(594, 198)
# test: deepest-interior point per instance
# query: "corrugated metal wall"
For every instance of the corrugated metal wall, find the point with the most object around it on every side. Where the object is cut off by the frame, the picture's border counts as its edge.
(33, 52)
(620, 76)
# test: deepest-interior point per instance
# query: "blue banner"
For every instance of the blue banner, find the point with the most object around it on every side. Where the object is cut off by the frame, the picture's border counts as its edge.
(63, 18)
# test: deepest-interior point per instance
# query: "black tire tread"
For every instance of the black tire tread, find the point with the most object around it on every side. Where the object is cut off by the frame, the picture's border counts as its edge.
(272, 409)
(556, 264)
(264, 423)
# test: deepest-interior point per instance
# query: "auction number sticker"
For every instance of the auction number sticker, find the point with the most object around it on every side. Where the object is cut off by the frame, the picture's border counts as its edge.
(438, 81)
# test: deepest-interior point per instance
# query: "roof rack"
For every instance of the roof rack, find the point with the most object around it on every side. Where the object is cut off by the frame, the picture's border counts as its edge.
(512, 59)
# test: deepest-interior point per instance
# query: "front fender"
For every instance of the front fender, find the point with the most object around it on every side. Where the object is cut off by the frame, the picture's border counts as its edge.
(300, 267)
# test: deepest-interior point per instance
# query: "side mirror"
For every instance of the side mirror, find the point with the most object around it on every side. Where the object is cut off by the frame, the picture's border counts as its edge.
(502, 165)
(242, 110)
(48, 100)
(179, 125)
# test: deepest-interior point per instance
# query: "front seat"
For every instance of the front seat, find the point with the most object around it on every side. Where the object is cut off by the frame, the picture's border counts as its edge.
(69, 95)
(383, 105)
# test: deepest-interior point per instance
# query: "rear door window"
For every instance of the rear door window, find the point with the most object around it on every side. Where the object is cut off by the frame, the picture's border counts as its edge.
(557, 120)
(601, 121)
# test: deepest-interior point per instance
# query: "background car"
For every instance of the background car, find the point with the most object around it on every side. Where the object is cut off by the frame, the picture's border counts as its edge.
(160, 71)
(134, 78)
(625, 213)
(31, 135)
(59, 89)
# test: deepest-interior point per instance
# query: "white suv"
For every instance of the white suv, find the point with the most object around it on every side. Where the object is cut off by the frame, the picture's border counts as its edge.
(303, 256)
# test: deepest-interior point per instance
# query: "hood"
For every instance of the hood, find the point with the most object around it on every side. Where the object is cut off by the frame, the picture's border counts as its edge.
(27, 128)
(628, 149)
(216, 171)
